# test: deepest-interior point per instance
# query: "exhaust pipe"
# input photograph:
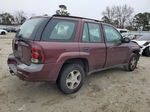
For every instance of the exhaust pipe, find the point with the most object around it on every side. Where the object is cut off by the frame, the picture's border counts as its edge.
(11, 72)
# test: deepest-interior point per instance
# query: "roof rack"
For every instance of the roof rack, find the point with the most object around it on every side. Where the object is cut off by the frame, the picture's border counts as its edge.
(76, 17)
(39, 17)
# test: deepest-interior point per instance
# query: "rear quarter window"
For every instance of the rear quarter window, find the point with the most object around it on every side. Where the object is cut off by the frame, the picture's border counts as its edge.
(59, 30)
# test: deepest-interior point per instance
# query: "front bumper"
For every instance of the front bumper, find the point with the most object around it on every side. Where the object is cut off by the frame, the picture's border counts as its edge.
(143, 48)
(33, 72)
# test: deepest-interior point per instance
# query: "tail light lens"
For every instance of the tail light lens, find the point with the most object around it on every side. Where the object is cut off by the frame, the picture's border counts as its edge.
(37, 55)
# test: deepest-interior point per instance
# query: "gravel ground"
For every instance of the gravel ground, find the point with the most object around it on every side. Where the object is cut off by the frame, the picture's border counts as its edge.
(114, 90)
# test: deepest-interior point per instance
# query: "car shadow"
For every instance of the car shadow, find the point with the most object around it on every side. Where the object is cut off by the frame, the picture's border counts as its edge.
(47, 93)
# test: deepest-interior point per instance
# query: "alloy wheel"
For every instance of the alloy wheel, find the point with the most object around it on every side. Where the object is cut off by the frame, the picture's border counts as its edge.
(133, 63)
(73, 79)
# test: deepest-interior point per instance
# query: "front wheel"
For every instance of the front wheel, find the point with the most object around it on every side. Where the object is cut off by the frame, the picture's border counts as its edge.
(132, 64)
(71, 78)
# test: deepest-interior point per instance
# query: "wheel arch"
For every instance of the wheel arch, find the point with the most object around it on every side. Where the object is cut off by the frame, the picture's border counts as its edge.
(136, 51)
(82, 61)
(2, 32)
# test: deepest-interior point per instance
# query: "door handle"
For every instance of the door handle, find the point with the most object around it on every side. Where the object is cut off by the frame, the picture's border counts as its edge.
(86, 49)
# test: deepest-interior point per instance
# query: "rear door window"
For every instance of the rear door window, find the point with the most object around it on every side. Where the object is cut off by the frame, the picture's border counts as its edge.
(91, 33)
(60, 30)
(85, 35)
(94, 31)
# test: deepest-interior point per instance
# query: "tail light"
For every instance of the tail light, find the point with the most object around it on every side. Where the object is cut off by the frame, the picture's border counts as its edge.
(37, 55)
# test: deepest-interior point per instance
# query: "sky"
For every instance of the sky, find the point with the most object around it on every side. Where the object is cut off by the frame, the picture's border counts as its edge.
(84, 8)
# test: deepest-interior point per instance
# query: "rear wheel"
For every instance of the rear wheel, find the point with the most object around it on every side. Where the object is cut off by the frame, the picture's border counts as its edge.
(146, 51)
(132, 64)
(3, 33)
(71, 78)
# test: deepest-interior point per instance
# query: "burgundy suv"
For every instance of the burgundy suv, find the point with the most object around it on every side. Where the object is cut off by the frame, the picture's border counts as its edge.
(66, 49)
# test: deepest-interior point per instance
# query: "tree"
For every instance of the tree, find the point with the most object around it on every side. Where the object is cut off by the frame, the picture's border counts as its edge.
(123, 13)
(6, 18)
(62, 11)
(142, 20)
(108, 15)
(20, 17)
(105, 19)
(118, 15)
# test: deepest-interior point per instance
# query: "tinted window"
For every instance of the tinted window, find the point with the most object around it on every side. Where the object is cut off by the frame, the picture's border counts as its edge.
(29, 27)
(112, 35)
(59, 30)
(94, 32)
(91, 33)
(85, 35)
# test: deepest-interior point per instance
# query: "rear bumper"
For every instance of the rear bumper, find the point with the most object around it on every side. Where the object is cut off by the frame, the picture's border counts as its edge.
(34, 72)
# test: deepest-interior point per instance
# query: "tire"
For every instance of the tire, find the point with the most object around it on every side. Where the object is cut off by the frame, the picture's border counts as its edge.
(71, 78)
(3, 33)
(132, 64)
(146, 51)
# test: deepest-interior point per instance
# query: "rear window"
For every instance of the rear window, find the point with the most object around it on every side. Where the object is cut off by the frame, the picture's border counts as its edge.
(59, 30)
(29, 28)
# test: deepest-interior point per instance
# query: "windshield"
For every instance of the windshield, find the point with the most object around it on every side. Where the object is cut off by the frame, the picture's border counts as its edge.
(146, 37)
(29, 28)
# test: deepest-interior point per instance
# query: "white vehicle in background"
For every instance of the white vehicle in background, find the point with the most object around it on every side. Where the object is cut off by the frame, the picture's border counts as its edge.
(131, 36)
(144, 43)
(122, 31)
(3, 32)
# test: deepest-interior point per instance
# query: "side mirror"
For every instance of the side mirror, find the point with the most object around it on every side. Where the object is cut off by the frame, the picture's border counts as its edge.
(126, 40)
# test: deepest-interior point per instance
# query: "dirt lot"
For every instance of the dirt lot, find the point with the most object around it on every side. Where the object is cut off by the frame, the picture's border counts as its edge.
(113, 90)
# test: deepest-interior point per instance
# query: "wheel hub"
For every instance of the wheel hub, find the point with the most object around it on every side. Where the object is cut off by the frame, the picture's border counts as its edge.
(73, 79)
(133, 63)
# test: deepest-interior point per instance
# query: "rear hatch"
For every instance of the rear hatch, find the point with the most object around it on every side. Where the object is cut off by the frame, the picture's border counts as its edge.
(22, 50)
(25, 37)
